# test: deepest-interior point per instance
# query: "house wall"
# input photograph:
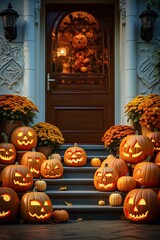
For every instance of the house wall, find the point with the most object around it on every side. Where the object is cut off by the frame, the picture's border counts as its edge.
(22, 61)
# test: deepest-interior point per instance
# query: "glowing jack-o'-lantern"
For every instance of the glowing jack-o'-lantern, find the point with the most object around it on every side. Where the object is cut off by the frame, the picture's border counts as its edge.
(157, 159)
(105, 178)
(9, 205)
(17, 177)
(135, 148)
(7, 151)
(141, 205)
(52, 168)
(36, 207)
(33, 160)
(24, 138)
(79, 41)
(155, 138)
(147, 173)
(75, 156)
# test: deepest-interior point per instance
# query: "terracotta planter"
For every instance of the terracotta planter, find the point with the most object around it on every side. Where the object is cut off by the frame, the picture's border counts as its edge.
(146, 130)
(47, 151)
(8, 126)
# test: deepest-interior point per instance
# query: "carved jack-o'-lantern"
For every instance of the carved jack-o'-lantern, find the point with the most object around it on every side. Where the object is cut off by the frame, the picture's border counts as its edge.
(7, 151)
(135, 148)
(24, 138)
(9, 205)
(105, 178)
(147, 173)
(155, 137)
(36, 207)
(75, 156)
(79, 41)
(157, 159)
(140, 205)
(17, 177)
(33, 160)
(52, 168)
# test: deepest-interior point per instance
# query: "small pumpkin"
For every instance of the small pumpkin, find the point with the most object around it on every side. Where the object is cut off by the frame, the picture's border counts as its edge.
(33, 160)
(55, 156)
(105, 178)
(101, 202)
(79, 41)
(52, 168)
(75, 156)
(115, 199)
(136, 148)
(141, 205)
(24, 138)
(126, 183)
(95, 162)
(7, 151)
(147, 173)
(60, 215)
(41, 185)
(9, 205)
(36, 207)
(17, 177)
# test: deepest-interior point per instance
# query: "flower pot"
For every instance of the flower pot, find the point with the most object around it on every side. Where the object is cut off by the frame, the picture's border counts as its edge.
(46, 150)
(8, 126)
(146, 130)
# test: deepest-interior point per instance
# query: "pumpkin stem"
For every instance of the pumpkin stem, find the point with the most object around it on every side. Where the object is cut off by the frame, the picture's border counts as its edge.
(4, 137)
(148, 159)
(75, 145)
(143, 187)
(35, 189)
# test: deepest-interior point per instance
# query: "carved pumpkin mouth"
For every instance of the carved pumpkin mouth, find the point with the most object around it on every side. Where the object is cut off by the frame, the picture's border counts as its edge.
(6, 158)
(137, 216)
(22, 184)
(4, 214)
(46, 215)
(53, 176)
(133, 155)
(25, 142)
(105, 186)
(75, 160)
(34, 170)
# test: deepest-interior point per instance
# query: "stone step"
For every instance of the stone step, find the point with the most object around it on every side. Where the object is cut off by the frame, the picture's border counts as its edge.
(79, 172)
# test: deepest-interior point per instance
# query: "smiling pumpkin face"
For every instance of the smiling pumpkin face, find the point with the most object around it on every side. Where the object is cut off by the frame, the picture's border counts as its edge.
(136, 148)
(7, 153)
(140, 205)
(36, 207)
(9, 205)
(52, 168)
(105, 178)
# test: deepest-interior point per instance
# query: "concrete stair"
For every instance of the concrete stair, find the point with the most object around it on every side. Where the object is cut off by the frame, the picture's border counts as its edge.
(80, 198)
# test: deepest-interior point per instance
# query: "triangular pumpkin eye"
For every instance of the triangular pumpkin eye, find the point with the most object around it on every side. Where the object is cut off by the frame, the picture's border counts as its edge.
(125, 145)
(46, 203)
(18, 174)
(130, 201)
(142, 202)
(137, 145)
(35, 203)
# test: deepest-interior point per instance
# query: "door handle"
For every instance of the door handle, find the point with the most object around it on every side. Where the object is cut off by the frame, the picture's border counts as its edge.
(49, 80)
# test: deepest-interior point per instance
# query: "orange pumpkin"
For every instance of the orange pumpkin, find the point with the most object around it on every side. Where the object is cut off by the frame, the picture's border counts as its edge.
(141, 205)
(52, 168)
(115, 199)
(60, 215)
(157, 159)
(24, 138)
(79, 41)
(40, 184)
(7, 151)
(33, 160)
(147, 173)
(126, 183)
(105, 178)
(119, 164)
(9, 205)
(17, 177)
(95, 162)
(155, 138)
(55, 155)
(75, 156)
(135, 148)
(36, 207)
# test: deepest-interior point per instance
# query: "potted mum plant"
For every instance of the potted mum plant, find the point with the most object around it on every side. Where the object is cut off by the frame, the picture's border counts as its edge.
(113, 137)
(49, 138)
(15, 111)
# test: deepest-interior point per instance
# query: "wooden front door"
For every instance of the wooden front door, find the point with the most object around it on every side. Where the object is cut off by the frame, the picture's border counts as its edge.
(80, 70)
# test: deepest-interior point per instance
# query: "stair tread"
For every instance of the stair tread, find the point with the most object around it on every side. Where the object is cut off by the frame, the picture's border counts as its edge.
(69, 180)
(79, 192)
(89, 207)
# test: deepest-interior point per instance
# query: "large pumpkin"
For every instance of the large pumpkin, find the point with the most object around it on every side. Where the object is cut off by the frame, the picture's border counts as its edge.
(75, 156)
(52, 168)
(24, 138)
(155, 138)
(9, 205)
(141, 205)
(105, 178)
(7, 151)
(119, 164)
(126, 183)
(36, 207)
(135, 148)
(33, 160)
(17, 177)
(147, 173)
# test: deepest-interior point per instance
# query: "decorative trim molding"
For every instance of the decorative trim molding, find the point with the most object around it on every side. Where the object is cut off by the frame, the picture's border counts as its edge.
(122, 7)
(37, 11)
(11, 65)
(146, 70)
